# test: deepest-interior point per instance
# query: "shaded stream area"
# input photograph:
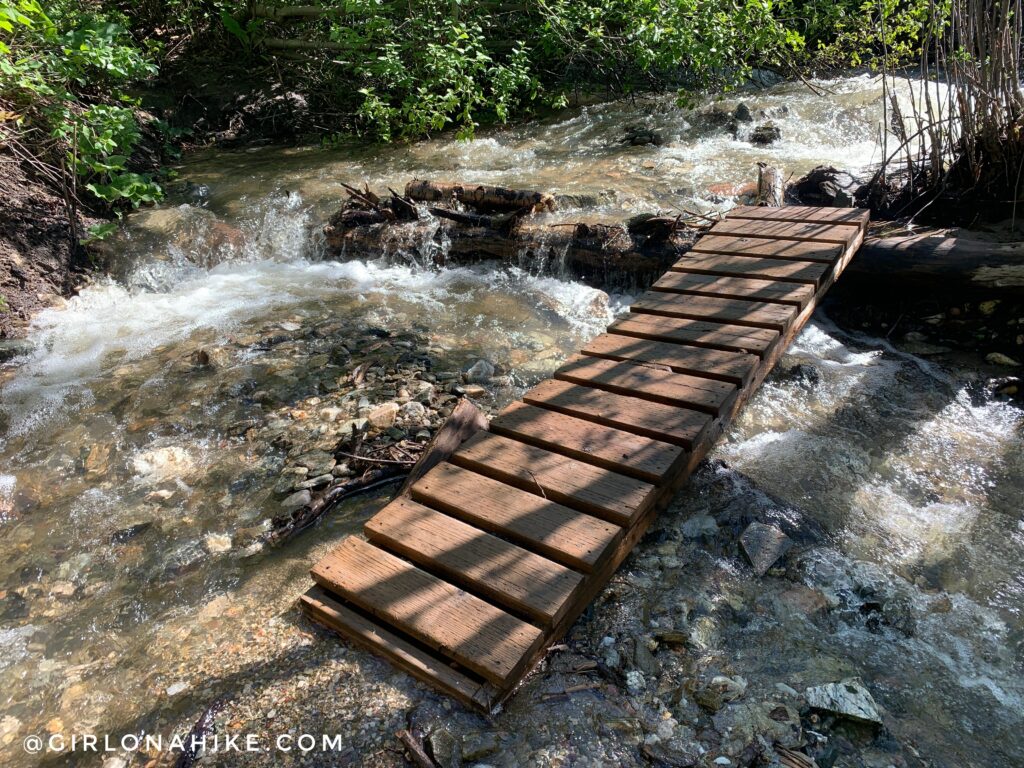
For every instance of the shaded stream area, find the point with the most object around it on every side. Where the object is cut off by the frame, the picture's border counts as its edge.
(166, 413)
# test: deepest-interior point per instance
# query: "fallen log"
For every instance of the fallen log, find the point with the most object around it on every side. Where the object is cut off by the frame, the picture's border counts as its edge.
(480, 196)
(464, 422)
(769, 186)
(607, 254)
(946, 261)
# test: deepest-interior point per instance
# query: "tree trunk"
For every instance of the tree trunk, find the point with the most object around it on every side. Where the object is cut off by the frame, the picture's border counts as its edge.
(479, 196)
(941, 261)
(769, 186)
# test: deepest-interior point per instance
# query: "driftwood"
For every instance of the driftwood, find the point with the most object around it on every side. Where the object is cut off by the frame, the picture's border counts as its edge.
(417, 754)
(480, 196)
(769, 186)
(465, 421)
(591, 251)
(941, 261)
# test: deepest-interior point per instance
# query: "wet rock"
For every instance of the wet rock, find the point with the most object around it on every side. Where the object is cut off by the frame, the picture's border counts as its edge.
(826, 186)
(804, 373)
(212, 357)
(163, 463)
(297, 500)
(384, 415)
(743, 724)
(477, 745)
(765, 134)
(331, 414)
(315, 482)
(12, 348)
(129, 533)
(175, 688)
(474, 390)
(445, 748)
(638, 136)
(14, 606)
(848, 698)
(742, 113)
(63, 590)
(806, 601)
(699, 525)
(97, 462)
(674, 753)
(764, 545)
(480, 372)
(316, 462)
(998, 358)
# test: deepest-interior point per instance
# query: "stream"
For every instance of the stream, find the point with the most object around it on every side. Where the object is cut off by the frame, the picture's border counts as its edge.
(145, 439)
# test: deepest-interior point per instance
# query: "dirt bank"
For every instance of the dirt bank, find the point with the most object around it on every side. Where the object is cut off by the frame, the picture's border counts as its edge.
(39, 262)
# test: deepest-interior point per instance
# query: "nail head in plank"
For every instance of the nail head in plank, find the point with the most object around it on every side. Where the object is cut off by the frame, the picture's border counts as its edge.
(615, 449)
(486, 565)
(825, 253)
(795, 294)
(857, 217)
(649, 383)
(737, 311)
(569, 537)
(576, 484)
(331, 612)
(734, 338)
(750, 266)
(673, 424)
(472, 632)
(734, 367)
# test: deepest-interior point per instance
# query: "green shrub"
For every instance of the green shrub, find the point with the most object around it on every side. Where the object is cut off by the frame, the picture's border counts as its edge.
(62, 76)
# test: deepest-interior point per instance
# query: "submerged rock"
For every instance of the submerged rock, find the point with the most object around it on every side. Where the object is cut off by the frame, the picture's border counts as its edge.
(480, 372)
(765, 134)
(764, 545)
(848, 698)
(129, 533)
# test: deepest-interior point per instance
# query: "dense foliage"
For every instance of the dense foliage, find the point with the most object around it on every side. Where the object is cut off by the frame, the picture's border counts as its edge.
(388, 69)
(63, 74)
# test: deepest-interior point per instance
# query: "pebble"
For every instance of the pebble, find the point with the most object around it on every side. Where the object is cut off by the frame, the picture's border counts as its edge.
(384, 415)
(480, 372)
(175, 688)
(998, 358)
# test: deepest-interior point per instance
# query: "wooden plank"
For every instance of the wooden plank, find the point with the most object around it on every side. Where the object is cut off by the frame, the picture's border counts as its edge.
(615, 449)
(733, 338)
(486, 565)
(648, 383)
(569, 537)
(785, 230)
(474, 633)
(756, 314)
(734, 367)
(576, 484)
(464, 421)
(826, 253)
(672, 424)
(749, 266)
(794, 294)
(329, 611)
(856, 217)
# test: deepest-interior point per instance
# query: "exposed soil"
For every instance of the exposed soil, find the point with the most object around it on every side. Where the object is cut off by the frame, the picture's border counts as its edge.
(39, 261)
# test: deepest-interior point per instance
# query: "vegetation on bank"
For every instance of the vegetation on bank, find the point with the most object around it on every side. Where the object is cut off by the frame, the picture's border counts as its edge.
(386, 69)
(71, 72)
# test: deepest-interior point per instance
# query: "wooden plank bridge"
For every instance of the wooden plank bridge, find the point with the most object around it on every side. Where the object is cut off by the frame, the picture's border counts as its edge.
(494, 553)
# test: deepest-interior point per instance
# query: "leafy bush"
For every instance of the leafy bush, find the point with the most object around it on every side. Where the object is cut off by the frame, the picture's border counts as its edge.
(62, 80)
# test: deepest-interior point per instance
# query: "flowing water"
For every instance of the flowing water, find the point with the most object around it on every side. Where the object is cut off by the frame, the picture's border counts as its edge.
(130, 601)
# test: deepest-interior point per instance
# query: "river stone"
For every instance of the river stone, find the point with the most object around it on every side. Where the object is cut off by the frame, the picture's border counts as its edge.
(764, 545)
(699, 525)
(480, 372)
(477, 745)
(765, 134)
(414, 410)
(848, 697)
(445, 748)
(998, 358)
(163, 463)
(384, 415)
(317, 462)
(218, 542)
(129, 533)
(742, 113)
(297, 500)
